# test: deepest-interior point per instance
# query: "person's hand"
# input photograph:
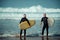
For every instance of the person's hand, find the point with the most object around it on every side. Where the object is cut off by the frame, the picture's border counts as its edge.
(40, 23)
(30, 25)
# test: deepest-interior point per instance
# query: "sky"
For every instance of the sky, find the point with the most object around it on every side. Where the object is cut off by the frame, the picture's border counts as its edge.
(29, 3)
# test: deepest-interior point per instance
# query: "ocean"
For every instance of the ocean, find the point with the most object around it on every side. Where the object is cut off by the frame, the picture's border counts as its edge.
(9, 24)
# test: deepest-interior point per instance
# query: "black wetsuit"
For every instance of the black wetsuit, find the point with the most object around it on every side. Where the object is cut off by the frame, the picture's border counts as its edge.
(45, 24)
(22, 20)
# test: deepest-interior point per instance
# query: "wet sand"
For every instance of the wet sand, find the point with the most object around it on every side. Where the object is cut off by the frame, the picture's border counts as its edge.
(30, 38)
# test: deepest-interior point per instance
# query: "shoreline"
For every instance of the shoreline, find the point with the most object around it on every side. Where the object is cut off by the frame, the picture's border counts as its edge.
(30, 38)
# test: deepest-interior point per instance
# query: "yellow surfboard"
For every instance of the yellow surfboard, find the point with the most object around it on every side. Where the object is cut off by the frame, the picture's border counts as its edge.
(50, 22)
(25, 25)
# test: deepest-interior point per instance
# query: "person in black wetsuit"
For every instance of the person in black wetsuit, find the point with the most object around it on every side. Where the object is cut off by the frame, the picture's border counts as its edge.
(45, 24)
(22, 20)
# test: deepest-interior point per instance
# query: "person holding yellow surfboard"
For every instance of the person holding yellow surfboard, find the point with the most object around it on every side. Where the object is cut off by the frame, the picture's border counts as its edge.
(22, 20)
(45, 24)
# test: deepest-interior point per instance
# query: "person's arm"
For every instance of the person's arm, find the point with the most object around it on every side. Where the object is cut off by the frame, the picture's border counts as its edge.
(28, 21)
(47, 17)
(41, 21)
(21, 21)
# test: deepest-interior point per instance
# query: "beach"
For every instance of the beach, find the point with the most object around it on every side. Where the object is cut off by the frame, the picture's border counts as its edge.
(30, 38)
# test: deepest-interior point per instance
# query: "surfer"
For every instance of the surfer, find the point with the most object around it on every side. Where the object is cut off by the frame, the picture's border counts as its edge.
(45, 24)
(22, 20)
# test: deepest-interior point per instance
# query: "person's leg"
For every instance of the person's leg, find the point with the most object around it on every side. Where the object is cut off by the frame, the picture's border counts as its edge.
(47, 30)
(24, 34)
(20, 34)
(43, 30)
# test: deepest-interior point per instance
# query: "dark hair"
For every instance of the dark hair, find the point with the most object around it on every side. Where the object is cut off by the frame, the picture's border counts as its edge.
(24, 14)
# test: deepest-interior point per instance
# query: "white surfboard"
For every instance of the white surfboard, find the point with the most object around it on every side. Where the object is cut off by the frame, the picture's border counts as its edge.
(50, 22)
